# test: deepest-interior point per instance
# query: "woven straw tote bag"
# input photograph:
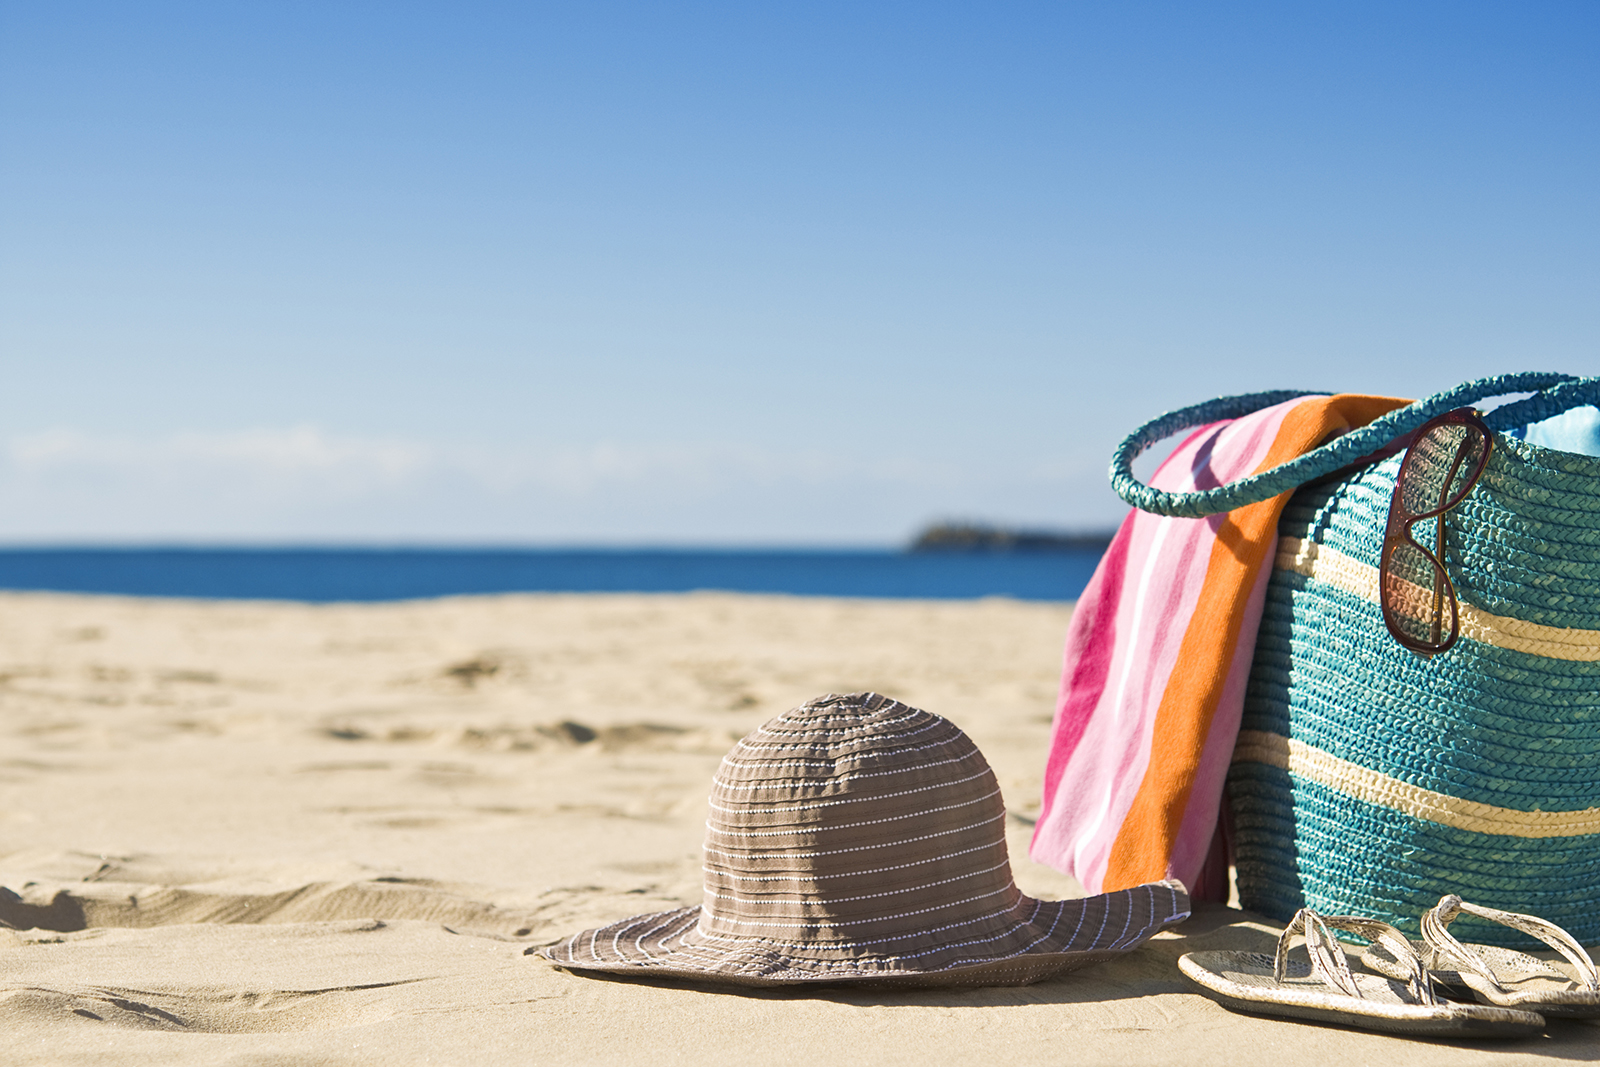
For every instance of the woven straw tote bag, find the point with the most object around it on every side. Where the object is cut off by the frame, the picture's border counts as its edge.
(1369, 779)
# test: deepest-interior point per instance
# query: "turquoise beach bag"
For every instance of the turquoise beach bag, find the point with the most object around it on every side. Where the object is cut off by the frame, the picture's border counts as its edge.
(1370, 780)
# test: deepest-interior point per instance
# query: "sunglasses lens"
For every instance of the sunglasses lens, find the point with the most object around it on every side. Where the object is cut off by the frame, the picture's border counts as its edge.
(1417, 597)
(1441, 467)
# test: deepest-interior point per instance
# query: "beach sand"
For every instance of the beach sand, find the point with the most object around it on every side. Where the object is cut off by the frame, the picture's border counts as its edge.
(262, 833)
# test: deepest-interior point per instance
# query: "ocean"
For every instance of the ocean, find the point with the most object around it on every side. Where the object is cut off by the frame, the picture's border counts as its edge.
(372, 574)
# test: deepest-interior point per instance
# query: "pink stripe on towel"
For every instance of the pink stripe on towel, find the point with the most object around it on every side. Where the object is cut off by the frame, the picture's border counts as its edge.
(1122, 647)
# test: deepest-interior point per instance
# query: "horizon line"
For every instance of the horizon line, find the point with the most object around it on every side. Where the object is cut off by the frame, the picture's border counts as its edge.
(175, 545)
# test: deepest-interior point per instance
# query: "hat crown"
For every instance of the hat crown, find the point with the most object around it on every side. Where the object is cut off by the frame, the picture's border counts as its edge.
(856, 819)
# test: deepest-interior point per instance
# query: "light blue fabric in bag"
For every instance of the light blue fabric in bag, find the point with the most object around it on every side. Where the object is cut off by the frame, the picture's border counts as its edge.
(1576, 430)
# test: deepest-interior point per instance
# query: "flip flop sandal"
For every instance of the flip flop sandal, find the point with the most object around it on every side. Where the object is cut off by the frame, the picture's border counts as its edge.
(1500, 976)
(1325, 991)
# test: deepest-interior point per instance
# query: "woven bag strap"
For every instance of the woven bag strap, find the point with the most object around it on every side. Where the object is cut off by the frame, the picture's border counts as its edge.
(1553, 394)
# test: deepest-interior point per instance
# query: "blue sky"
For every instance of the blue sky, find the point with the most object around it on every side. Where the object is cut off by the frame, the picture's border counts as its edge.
(745, 273)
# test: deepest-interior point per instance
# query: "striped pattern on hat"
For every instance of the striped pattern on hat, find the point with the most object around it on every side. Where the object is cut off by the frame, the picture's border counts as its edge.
(858, 838)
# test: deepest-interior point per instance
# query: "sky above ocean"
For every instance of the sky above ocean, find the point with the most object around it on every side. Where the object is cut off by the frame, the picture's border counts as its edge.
(797, 274)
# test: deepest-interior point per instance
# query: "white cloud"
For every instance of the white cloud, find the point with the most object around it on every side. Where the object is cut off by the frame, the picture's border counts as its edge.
(304, 483)
(296, 453)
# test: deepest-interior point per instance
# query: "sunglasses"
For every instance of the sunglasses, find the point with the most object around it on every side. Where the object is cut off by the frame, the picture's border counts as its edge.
(1444, 461)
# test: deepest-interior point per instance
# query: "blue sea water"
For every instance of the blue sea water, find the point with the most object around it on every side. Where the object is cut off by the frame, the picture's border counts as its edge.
(367, 574)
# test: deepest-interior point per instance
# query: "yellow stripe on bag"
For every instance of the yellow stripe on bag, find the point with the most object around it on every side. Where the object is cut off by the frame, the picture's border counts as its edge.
(1332, 567)
(1373, 787)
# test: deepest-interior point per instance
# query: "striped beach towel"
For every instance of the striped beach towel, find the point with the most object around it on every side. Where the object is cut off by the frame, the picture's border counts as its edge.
(1157, 656)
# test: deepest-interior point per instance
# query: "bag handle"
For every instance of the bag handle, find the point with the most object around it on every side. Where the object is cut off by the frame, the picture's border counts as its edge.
(1553, 394)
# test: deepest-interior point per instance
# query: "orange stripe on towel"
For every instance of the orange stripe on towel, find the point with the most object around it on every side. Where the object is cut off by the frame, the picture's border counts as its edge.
(1183, 721)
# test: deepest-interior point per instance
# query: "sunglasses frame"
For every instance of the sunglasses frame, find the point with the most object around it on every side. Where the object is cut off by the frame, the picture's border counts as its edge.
(1397, 531)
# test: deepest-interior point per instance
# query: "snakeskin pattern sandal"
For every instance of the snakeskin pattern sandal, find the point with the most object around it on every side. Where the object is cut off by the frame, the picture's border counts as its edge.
(1499, 976)
(1325, 990)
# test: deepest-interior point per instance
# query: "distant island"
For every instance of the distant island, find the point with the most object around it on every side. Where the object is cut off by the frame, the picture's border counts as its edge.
(976, 537)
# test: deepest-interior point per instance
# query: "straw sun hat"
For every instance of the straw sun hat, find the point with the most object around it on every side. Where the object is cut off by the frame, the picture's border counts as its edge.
(855, 838)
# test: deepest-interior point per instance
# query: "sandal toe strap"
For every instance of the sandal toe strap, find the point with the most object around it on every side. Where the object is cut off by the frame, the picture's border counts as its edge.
(1435, 932)
(1328, 960)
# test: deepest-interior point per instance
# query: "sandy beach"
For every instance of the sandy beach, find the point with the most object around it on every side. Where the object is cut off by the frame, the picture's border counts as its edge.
(276, 833)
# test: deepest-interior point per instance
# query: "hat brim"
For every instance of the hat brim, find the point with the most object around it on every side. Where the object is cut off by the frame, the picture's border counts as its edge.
(1027, 942)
